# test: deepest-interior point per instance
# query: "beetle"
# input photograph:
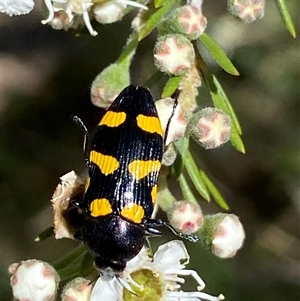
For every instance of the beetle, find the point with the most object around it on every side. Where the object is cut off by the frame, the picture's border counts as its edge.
(120, 191)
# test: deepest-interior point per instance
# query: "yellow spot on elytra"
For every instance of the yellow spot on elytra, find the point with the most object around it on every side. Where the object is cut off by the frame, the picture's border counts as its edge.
(154, 193)
(149, 124)
(100, 207)
(133, 212)
(113, 119)
(107, 164)
(140, 169)
(87, 184)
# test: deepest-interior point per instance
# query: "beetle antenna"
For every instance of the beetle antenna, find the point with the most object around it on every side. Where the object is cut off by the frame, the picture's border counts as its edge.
(175, 96)
(82, 126)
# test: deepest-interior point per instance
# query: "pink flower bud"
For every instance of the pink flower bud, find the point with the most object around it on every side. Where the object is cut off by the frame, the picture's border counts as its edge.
(78, 289)
(223, 234)
(248, 11)
(210, 127)
(33, 280)
(173, 54)
(185, 216)
(108, 84)
(189, 21)
(66, 217)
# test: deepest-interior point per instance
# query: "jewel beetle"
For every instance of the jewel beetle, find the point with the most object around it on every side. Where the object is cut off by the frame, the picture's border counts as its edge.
(123, 162)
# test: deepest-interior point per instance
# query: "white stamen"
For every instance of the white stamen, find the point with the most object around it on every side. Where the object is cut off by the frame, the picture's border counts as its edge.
(132, 3)
(191, 273)
(194, 295)
(51, 12)
(126, 285)
(88, 24)
(131, 281)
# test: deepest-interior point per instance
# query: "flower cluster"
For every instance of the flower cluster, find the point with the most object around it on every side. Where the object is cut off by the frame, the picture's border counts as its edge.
(176, 54)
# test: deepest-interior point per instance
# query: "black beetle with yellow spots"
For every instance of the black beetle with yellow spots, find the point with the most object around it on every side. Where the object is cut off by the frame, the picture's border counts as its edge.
(120, 191)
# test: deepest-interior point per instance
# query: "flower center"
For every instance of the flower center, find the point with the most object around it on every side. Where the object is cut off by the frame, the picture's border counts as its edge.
(151, 287)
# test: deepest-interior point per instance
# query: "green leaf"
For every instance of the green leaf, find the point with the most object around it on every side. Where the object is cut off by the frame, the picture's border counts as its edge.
(194, 174)
(70, 257)
(45, 234)
(218, 54)
(237, 142)
(155, 19)
(171, 86)
(214, 191)
(87, 265)
(158, 3)
(186, 190)
(285, 15)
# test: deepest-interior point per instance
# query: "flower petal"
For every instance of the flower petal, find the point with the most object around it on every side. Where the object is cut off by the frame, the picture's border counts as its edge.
(16, 7)
(106, 289)
(170, 255)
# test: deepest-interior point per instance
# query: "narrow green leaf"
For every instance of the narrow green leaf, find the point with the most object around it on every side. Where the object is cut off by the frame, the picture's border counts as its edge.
(45, 234)
(220, 98)
(214, 191)
(186, 190)
(129, 49)
(218, 54)
(225, 105)
(87, 265)
(171, 86)
(155, 19)
(237, 142)
(70, 257)
(286, 17)
(158, 3)
(194, 174)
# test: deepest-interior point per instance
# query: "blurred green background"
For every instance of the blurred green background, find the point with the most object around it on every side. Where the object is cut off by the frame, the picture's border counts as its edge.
(45, 78)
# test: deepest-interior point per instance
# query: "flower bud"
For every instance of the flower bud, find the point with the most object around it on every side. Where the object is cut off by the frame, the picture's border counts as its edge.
(186, 217)
(210, 127)
(247, 11)
(78, 289)
(67, 220)
(109, 12)
(33, 280)
(178, 124)
(173, 54)
(189, 21)
(223, 234)
(108, 84)
(169, 155)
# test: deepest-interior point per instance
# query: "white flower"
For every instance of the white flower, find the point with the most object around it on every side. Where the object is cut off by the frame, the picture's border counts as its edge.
(106, 12)
(16, 7)
(71, 186)
(154, 279)
(33, 280)
(229, 237)
(72, 8)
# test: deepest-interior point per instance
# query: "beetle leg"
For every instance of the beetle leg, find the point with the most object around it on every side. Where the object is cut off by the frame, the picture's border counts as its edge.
(159, 222)
(152, 231)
